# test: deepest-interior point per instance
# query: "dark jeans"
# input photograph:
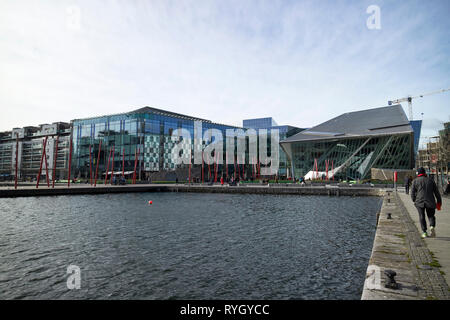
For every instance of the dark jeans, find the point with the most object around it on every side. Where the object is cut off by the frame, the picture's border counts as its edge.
(431, 218)
(407, 189)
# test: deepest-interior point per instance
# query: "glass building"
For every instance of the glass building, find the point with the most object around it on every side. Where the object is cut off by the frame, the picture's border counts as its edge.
(348, 146)
(284, 131)
(417, 126)
(143, 134)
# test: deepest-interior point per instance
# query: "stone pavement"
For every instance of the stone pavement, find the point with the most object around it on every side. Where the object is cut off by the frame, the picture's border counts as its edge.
(398, 246)
(439, 246)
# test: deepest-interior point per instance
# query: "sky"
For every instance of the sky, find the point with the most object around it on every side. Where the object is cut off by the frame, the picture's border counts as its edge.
(300, 62)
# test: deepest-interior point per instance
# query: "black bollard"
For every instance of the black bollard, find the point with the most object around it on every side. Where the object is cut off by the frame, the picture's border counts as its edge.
(390, 281)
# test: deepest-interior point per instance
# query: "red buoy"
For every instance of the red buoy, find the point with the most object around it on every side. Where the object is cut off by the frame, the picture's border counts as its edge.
(150, 202)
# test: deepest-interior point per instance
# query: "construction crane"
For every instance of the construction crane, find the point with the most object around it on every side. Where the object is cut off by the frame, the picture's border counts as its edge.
(409, 99)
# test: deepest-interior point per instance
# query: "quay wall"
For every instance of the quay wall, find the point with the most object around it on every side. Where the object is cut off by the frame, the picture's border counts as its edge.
(260, 189)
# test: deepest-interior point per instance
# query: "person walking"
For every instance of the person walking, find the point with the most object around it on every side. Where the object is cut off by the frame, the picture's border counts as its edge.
(407, 184)
(423, 193)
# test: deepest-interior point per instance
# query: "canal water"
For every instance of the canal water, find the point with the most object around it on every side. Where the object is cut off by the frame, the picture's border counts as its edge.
(186, 246)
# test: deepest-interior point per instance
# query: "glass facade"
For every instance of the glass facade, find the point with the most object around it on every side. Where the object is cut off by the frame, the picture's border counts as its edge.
(353, 158)
(417, 126)
(284, 132)
(145, 135)
(259, 123)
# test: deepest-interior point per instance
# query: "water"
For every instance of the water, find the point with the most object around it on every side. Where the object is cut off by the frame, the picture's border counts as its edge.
(186, 246)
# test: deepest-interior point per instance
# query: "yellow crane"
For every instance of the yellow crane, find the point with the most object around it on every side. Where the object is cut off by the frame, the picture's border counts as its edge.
(410, 98)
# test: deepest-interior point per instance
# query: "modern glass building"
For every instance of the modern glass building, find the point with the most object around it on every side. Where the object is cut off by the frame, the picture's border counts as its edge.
(143, 134)
(259, 123)
(284, 131)
(417, 126)
(348, 146)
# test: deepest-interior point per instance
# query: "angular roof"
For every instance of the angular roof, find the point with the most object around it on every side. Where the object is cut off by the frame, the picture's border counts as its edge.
(377, 121)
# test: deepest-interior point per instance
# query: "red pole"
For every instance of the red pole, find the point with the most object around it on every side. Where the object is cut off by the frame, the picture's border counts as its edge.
(42, 160)
(123, 163)
(189, 172)
(221, 171)
(216, 168)
(203, 173)
(46, 170)
(135, 164)
(70, 161)
(98, 160)
(90, 165)
(54, 162)
(107, 167)
(209, 172)
(316, 169)
(17, 159)
(137, 161)
(226, 166)
(112, 166)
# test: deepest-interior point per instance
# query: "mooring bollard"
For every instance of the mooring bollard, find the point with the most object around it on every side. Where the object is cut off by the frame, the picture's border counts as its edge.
(390, 281)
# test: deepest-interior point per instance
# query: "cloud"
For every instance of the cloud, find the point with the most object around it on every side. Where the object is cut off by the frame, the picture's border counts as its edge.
(300, 62)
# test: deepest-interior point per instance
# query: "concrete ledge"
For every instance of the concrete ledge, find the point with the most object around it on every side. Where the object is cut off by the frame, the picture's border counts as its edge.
(260, 189)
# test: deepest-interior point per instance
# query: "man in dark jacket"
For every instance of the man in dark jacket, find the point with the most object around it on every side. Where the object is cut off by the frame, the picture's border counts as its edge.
(423, 192)
(407, 184)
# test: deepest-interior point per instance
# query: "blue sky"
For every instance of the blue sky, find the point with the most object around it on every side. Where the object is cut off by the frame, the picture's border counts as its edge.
(301, 62)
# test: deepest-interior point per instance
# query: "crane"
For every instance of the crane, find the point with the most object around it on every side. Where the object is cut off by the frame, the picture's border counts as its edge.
(409, 99)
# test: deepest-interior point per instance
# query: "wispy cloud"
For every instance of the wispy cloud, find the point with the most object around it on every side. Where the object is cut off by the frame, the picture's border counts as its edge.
(300, 62)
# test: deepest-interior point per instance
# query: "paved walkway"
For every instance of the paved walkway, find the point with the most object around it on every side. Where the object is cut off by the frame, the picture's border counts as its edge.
(439, 246)
(398, 246)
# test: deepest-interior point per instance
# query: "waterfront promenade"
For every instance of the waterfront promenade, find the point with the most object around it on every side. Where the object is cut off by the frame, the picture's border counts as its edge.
(422, 265)
(440, 245)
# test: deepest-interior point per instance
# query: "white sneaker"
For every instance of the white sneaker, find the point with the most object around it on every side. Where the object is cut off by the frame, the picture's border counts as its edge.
(432, 232)
(424, 235)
